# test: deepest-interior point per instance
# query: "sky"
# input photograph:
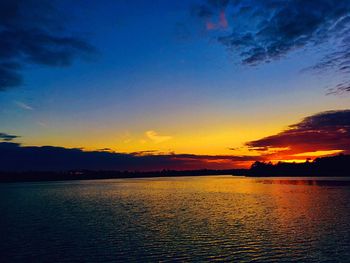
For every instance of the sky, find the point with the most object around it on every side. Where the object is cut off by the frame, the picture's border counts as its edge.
(172, 84)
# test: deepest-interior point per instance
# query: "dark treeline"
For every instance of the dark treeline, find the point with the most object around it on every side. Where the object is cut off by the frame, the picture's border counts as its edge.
(34, 176)
(325, 166)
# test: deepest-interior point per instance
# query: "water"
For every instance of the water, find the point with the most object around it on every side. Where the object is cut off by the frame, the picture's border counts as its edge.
(175, 219)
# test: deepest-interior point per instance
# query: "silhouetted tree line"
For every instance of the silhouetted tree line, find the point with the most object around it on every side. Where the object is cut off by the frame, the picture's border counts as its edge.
(325, 166)
(33, 176)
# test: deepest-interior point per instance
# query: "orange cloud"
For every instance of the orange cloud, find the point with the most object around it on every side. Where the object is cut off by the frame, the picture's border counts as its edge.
(325, 133)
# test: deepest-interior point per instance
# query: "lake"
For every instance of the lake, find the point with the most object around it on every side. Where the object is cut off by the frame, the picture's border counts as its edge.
(176, 219)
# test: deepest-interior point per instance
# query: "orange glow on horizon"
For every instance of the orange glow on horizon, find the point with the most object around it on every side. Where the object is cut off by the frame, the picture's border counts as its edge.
(317, 153)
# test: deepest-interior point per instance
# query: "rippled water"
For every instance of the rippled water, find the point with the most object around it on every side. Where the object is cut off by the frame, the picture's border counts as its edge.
(184, 219)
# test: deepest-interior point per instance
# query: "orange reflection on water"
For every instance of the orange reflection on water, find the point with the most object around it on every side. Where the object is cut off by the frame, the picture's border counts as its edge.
(225, 218)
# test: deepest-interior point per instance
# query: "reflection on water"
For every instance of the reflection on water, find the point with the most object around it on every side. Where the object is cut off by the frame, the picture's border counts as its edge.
(187, 219)
(308, 181)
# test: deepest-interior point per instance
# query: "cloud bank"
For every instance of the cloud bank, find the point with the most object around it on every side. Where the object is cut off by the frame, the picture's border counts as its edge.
(324, 132)
(14, 157)
(33, 32)
(265, 31)
(7, 137)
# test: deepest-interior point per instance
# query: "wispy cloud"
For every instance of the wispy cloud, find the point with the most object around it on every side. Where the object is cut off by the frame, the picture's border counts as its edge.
(269, 30)
(156, 138)
(43, 124)
(23, 105)
(7, 137)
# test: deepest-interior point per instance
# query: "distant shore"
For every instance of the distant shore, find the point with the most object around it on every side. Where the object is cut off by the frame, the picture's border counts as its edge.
(333, 166)
(38, 176)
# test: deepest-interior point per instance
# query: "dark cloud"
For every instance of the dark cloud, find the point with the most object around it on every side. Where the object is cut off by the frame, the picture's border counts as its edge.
(274, 28)
(264, 31)
(33, 32)
(326, 131)
(7, 137)
(14, 157)
(9, 76)
(340, 88)
(209, 8)
(337, 63)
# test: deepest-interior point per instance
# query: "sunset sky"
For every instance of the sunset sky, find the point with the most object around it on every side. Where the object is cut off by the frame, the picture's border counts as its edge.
(173, 84)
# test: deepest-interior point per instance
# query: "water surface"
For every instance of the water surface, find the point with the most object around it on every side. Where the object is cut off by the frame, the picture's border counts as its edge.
(183, 219)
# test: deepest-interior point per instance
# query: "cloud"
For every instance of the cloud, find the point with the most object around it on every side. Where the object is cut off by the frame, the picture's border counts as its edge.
(340, 88)
(208, 8)
(146, 152)
(9, 76)
(265, 31)
(7, 137)
(222, 22)
(14, 157)
(33, 32)
(23, 105)
(325, 132)
(338, 64)
(272, 29)
(213, 13)
(42, 124)
(104, 150)
(156, 138)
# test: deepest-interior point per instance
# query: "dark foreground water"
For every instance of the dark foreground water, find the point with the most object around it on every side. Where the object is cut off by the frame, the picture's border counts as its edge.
(175, 219)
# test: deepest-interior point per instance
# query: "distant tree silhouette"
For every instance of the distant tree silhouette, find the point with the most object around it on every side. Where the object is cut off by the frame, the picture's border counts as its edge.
(324, 166)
